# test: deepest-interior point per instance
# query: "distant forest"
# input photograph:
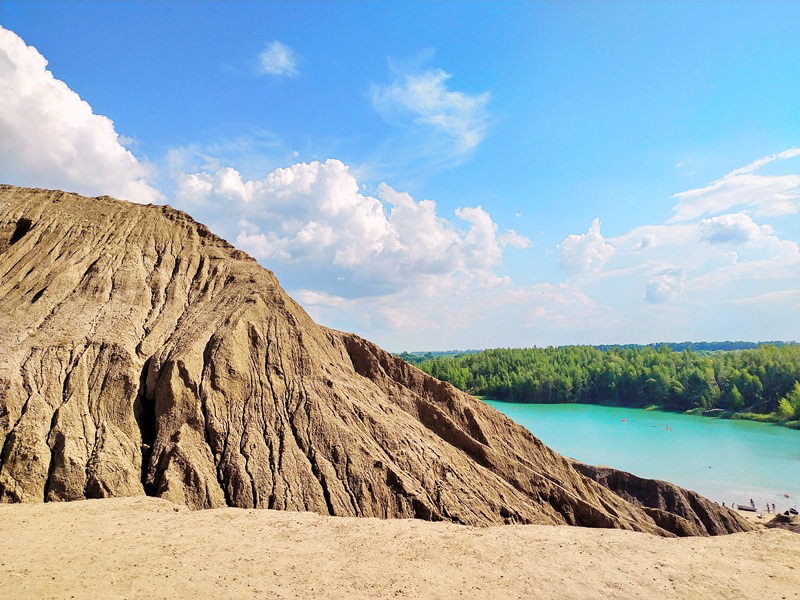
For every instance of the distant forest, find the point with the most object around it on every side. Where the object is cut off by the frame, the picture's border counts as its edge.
(729, 379)
(418, 356)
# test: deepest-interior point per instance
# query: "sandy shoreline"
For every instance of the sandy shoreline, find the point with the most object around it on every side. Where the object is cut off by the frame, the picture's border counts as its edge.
(759, 517)
(149, 548)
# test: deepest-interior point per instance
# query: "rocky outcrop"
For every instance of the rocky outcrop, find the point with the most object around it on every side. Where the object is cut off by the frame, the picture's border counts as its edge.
(141, 354)
(788, 522)
(674, 508)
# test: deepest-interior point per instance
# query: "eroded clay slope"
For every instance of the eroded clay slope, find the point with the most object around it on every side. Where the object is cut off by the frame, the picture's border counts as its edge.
(141, 354)
(680, 510)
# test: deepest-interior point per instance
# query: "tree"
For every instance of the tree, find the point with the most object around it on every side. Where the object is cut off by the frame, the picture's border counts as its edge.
(785, 411)
(735, 399)
(750, 380)
(793, 400)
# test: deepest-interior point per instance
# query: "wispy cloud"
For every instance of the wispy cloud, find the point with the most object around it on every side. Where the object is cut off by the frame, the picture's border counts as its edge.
(461, 311)
(776, 297)
(449, 124)
(757, 164)
(278, 60)
(766, 195)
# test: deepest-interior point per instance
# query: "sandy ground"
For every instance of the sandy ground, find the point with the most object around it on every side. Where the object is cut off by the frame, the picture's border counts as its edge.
(148, 548)
(753, 517)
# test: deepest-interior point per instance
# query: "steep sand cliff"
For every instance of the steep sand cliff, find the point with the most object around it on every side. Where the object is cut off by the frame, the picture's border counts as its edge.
(141, 354)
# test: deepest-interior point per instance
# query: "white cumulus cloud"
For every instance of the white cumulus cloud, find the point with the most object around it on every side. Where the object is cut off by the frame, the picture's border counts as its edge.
(665, 285)
(50, 137)
(382, 262)
(585, 252)
(734, 228)
(511, 239)
(314, 215)
(277, 59)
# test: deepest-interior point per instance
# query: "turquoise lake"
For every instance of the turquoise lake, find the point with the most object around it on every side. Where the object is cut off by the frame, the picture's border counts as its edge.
(726, 461)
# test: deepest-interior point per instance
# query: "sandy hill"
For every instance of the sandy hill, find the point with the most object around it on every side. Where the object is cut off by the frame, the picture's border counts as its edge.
(143, 355)
(149, 549)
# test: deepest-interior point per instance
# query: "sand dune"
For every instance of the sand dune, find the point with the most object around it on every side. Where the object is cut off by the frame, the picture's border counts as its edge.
(149, 548)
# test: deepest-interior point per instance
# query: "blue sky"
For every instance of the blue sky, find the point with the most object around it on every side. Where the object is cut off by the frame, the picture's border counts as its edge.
(444, 175)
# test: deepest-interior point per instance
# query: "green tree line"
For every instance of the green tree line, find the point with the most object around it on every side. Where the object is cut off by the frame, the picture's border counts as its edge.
(761, 383)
